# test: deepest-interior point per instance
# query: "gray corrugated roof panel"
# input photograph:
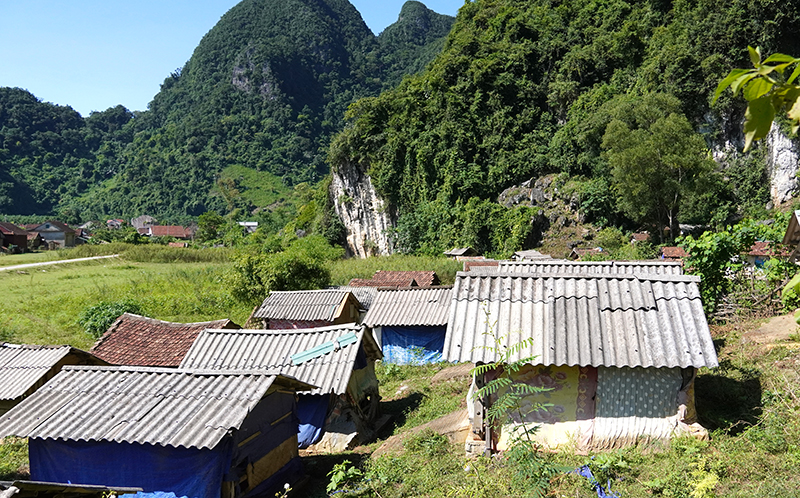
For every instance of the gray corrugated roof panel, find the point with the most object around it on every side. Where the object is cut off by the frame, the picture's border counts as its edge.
(272, 350)
(365, 295)
(144, 405)
(594, 267)
(22, 366)
(409, 307)
(581, 319)
(302, 305)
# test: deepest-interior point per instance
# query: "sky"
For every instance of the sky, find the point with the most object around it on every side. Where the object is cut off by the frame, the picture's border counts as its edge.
(96, 54)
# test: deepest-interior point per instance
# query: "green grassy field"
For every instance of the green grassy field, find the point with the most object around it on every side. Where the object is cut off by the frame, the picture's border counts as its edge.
(30, 257)
(42, 305)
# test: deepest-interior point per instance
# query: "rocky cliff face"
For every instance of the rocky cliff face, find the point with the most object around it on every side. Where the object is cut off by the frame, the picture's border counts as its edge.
(782, 167)
(365, 215)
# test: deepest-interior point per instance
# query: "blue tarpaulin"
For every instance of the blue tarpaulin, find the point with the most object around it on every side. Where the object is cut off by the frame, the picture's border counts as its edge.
(186, 472)
(311, 410)
(412, 345)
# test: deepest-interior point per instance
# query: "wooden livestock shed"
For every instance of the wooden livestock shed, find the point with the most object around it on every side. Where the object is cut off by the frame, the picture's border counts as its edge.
(342, 410)
(307, 309)
(194, 434)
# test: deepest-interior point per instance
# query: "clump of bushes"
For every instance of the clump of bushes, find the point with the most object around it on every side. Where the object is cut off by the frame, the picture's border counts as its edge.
(96, 319)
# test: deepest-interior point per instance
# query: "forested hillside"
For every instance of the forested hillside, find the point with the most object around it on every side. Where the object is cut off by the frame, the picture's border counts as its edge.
(248, 117)
(614, 97)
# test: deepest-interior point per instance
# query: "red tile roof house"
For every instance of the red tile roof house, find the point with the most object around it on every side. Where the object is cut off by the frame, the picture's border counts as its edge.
(760, 252)
(12, 235)
(179, 232)
(134, 340)
(398, 279)
(673, 253)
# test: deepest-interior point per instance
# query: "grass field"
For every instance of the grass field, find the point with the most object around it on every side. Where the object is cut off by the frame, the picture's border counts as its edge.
(42, 305)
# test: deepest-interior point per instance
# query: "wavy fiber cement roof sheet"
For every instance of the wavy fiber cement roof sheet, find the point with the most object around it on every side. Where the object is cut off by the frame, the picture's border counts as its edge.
(164, 407)
(597, 320)
(22, 366)
(302, 305)
(594, 267)
(408, 307)
(272, 350)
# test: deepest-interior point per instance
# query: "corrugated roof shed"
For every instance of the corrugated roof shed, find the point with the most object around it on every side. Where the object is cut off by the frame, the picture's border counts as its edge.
(321, 304)
(272, 350)
(409, 307)
(646, 320)
(158, 406)
(22, 366)
(530, 254)
(137, 340)
(656, 267)
(365, 295)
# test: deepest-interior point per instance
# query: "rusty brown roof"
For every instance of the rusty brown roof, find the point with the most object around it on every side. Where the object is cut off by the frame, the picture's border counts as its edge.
(398, 279)
(176, 231)
(11, 229)
(136, 340)
(673, 252)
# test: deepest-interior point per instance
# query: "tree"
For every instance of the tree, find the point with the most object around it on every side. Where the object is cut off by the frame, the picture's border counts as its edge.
(655, 158)
(768, 92)
(208, 226)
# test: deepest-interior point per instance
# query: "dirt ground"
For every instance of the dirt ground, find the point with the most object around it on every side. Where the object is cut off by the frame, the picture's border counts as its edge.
(774, 331)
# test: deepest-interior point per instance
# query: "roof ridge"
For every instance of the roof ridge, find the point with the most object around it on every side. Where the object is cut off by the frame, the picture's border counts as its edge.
(587, 276)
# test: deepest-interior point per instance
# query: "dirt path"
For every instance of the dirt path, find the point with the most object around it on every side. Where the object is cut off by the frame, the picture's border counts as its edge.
(60, 261)
(777, 329)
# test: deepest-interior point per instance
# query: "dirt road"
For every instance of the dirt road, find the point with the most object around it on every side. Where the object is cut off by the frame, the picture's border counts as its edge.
(60, 261)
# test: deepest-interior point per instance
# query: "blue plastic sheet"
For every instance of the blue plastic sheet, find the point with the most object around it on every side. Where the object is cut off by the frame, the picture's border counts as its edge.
(312, 411)
(412, 345)
(586, 472)
(186, 472)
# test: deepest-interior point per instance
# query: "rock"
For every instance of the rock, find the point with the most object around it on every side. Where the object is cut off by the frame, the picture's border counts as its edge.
(367, 218)
(539, 196)
(782, 167)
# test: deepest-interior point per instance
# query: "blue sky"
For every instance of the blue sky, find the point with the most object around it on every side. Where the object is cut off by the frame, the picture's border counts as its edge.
(95, 54)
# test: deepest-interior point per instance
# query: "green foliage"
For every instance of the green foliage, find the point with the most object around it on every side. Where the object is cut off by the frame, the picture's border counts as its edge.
(96, 319)
(343, 477)
(527, 88)
(655, 159)
(13, 459)
(715, 257)
(209, 225)
(302, 265)
(768, 90)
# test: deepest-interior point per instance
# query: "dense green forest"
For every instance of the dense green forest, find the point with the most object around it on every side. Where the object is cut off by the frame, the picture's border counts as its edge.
(612, 96)
(247, 118)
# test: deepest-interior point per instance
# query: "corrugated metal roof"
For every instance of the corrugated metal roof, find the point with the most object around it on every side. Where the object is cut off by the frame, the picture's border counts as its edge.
(408, 307)
(599, 267)
(22, 366)
(365, 295)
(144, 405)
(271, 350)
(646, 320)
(302, 305)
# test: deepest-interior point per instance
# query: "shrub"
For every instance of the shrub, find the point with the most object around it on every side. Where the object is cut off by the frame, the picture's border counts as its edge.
(96, 319)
